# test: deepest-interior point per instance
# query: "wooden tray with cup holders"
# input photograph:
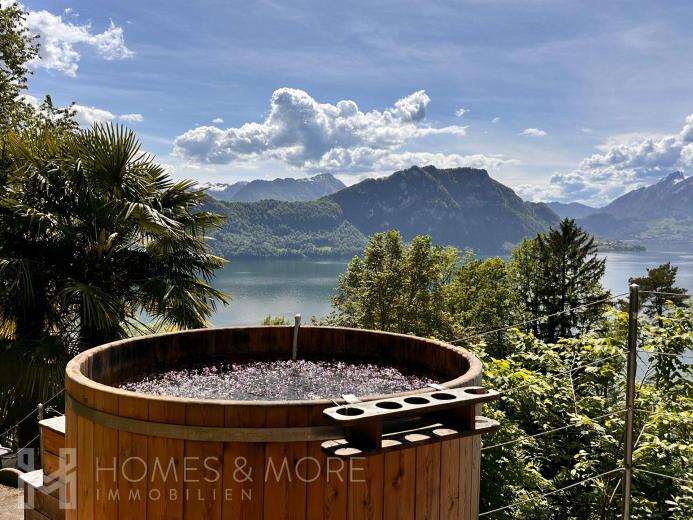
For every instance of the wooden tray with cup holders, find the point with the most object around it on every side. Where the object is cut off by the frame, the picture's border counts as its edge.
(388, 424)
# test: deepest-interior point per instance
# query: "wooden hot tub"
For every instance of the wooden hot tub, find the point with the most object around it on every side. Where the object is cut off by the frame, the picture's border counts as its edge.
(141, 456)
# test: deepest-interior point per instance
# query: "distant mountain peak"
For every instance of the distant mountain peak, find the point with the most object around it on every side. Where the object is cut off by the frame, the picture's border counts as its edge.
(213, 186)
(441, 173)
(573, 210)
(321, 177)
(673, 178)
(460, 170)
(464, 207)
(285, 189)
(663, 210)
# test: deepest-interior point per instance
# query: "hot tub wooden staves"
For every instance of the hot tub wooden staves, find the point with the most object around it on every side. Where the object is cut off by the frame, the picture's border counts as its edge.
(139, 456)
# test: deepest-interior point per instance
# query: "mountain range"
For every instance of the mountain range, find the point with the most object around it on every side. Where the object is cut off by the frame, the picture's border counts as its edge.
(660, 212)
(288, 189)
(572, 209)
(462, 207)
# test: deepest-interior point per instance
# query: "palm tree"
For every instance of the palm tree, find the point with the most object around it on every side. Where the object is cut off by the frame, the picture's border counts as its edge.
(94, 235)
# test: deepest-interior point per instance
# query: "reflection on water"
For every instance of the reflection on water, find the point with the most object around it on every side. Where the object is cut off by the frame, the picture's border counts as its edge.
(287, 287)
(621, 266)
(277, 287)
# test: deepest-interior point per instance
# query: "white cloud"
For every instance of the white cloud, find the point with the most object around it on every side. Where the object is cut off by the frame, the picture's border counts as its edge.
(461, 112)
(87, 116)
(495, 120)
(586, 130)
(301, 132)
(217, 120)
(391, 162)
(398, 161)
(623, 164)
(533, 132)
(60, 39)
(132, 118)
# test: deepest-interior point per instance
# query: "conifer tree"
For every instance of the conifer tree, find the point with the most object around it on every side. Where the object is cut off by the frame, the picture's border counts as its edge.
(660, 279)
(557, 271)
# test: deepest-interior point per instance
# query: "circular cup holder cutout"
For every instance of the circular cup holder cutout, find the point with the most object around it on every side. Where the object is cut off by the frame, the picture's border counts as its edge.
(389, 405)
(476, 391)
(443, 396)
(416, 400)
(350, 411)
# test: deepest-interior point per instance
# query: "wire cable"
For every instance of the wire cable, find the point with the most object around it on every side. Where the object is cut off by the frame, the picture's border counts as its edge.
(547, 432)
(566, 372)
(536, 320)
(683, 295)
(655, 353)
(11, 428)
(667, 414)
(53, 397)
(688, 482)
(549, 493)
(27, 416)
(29, 443)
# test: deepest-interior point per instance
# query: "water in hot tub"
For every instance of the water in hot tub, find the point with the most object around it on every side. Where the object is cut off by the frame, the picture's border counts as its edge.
(278, 380)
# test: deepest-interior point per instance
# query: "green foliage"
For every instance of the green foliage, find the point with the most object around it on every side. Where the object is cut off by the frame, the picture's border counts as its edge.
(275, 320)
(556, 271)
(429, 290)
(547, 386)
(481, 298)
(93, 234)
(396, 288)
(659, 279)
(575, 385)
(92, 228)
(17, 48)
(423, 289)
(271, 228)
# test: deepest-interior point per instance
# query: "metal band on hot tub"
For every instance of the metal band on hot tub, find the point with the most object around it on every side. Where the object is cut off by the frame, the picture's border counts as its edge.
(203, 433)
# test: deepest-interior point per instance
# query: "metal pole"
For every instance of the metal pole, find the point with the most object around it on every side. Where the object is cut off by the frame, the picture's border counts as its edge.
(297, 325)
(633, 307)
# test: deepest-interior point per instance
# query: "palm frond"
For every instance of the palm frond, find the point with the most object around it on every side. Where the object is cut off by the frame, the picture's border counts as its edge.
(100, 310)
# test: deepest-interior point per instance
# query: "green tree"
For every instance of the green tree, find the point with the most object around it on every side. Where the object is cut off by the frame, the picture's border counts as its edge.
(526, 279)
(17, 48)
(93, 235)
(481, 298)
(556, 271)
(561, 408)
(562, 399)
(659, 279)
(397, 287)
(275, 320)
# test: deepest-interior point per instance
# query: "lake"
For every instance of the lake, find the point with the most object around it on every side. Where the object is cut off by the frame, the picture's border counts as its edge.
(287, 287)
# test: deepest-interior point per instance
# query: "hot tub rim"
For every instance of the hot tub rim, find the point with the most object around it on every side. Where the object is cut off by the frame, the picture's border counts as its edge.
(74, 374)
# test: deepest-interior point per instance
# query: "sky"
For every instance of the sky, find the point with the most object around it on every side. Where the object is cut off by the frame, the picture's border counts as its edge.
(571, 100)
